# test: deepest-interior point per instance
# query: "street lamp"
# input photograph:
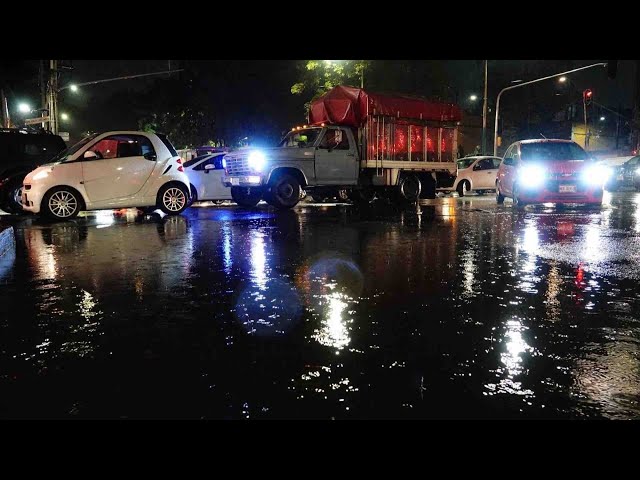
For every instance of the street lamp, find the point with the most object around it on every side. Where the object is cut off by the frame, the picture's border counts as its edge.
(561, 74)
(602, 119)
(562, 79)
(64, 116)
(24, 108)
(73, 88)
(473, 98)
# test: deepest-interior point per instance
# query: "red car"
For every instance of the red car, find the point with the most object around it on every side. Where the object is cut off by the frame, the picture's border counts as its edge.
(554, 171)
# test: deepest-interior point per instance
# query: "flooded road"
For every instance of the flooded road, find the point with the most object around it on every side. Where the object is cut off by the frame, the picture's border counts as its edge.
(459, 308)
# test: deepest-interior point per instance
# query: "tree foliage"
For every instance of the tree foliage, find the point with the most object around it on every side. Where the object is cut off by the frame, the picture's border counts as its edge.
(316, 77)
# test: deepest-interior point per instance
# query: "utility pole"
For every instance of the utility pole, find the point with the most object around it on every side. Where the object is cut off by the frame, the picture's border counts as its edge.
(484, 111)
(43, 88)
(52, 89)
(586, 134)
(636, 110)
(6, 119)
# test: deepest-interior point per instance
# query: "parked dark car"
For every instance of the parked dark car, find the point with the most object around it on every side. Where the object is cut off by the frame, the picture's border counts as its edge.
(21, 151)
(625, 175)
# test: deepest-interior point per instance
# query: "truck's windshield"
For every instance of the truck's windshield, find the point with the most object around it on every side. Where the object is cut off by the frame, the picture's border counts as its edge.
(301, 138)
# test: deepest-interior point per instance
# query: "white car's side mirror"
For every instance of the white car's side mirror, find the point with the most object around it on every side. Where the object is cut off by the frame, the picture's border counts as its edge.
(209, 167)
(89, 155)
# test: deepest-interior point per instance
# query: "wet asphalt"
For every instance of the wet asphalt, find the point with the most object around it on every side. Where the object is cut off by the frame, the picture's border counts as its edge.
(458, 308)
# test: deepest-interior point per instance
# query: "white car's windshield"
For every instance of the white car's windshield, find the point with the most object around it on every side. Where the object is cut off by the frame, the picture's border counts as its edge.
(65, 154)
(301, 138)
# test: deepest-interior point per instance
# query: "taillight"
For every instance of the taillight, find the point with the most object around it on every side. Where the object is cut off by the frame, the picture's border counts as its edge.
(180, 168)
(179, 160)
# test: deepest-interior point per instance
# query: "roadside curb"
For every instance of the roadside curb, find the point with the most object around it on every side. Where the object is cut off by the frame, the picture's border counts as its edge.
(7, 241)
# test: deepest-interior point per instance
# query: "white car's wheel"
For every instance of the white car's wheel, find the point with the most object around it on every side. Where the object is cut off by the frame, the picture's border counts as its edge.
(173, 198)
(61, 203)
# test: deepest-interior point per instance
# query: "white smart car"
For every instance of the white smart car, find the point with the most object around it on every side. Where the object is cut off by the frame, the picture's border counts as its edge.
(205, 174)
(119, 169)
(477, 174)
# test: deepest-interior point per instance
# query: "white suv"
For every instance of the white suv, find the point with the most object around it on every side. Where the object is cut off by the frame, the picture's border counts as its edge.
(119, 169)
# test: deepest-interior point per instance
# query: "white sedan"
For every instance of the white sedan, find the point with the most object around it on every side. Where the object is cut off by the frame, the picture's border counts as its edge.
(205, 174)
(119, 169)
(477, 174)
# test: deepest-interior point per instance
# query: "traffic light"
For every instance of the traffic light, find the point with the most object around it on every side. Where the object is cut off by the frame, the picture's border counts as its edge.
(612, 68)
(587, 95)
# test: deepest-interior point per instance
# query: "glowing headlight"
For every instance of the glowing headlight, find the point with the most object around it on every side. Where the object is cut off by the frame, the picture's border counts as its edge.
(257, 161)
(597, 175)
(638, 171)
(532, 175)
(41, 175)
(224, 162)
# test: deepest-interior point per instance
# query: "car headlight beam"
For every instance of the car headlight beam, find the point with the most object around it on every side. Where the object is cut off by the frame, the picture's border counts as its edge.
(532, 175)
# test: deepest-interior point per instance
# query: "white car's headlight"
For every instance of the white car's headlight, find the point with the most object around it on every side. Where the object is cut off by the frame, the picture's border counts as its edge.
(41, 175)
(532, 175)
(597, 174)
(257, 161)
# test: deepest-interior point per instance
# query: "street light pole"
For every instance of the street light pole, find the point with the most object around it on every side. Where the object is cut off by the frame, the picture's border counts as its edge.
(495, 133)
(53, 90)
(484, 111)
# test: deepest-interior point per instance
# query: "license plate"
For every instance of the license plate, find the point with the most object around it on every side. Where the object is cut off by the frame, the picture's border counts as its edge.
(567, 188)
(235, 181)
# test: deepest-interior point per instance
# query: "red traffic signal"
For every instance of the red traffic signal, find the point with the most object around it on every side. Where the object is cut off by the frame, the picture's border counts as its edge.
(587, 95)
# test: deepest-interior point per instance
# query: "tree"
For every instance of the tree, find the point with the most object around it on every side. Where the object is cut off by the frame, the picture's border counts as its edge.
(316, 77)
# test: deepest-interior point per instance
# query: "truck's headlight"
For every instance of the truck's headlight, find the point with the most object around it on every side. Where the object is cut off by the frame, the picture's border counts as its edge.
(224, 163)
(596, 175)
(532, 175)
(257, 161)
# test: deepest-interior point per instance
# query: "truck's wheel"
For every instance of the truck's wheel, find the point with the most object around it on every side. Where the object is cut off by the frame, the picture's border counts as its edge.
(284, 191)
(246, 196)
(409, 188)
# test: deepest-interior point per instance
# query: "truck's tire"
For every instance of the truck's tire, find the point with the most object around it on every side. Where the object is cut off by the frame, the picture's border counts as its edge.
(246, 196)
(284, 191)
(409, 188)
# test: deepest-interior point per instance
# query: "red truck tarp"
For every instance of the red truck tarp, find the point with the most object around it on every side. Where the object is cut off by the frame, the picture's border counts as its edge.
(350, 106)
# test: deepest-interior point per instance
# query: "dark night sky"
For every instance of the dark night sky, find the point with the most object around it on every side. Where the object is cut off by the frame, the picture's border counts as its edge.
(262, 88)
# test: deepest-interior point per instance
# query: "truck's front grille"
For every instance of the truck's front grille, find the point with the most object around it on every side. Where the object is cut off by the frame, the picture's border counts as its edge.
(238, 165)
